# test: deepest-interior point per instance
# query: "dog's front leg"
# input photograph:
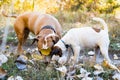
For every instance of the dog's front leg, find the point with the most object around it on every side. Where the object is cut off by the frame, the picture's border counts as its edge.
(76, 54)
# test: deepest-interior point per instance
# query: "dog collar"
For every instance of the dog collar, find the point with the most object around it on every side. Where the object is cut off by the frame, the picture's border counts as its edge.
(48, 27)
(67, 46)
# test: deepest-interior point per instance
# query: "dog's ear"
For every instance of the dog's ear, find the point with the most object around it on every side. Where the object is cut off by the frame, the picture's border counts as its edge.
(35, 39)
(56, 51)
(55, 38)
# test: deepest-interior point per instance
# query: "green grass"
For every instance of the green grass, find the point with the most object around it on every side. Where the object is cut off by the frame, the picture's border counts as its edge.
(34, 72)
(40, 71)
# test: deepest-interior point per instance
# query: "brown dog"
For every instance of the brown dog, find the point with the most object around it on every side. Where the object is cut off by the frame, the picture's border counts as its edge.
(46, 28)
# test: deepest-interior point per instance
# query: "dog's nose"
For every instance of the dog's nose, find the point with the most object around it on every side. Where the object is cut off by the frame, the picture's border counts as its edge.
(39, 51)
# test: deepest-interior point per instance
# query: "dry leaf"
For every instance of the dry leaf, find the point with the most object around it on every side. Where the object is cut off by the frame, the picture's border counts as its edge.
(109, 65)
(15, 78)
(80, 75)
(87, 78)
(113, 35)
(84, 74)
(37, 57)
(71, 72)
(3, 73)
(31, 61)
(82, 70)
(92, 61)
(115, 56)
(98, 67)
(105, 64)
(91, 53)
(62, 69)
(3, 59)
(116, 76)
(99, 78)
(97, 72)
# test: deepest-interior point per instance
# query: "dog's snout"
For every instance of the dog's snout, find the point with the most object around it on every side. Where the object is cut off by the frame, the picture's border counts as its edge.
(56, 51)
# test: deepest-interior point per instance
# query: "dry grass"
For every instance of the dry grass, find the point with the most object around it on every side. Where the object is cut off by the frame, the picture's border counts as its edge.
(68, 20)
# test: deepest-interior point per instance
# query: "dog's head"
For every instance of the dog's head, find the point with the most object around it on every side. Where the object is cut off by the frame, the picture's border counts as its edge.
(57, 51)
(46, 42)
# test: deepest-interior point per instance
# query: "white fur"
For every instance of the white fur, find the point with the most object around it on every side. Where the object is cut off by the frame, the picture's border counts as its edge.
(62, 60)
(102, 22)
(87, 37)
(45, 45)
(55, 58)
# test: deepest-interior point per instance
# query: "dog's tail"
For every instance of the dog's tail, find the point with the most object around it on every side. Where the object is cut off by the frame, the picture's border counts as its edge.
(6, 15)
(102, 22)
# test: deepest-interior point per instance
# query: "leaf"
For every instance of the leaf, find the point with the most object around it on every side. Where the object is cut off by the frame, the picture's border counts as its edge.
(82, 70)
(3, 59)
(116, 76)
(109, 65)
(62, 69)
(115, 56)
(98, 67)
(85, 73)
(97, 72)
(105, 64)
(98, 78)
(87, 78)
(71, 73)
(3, 73)
(80, 75)
(91, 53)
(37, 57)
(15, 78)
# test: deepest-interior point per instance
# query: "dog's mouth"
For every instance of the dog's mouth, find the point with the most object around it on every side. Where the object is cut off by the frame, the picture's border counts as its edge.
(45, 52)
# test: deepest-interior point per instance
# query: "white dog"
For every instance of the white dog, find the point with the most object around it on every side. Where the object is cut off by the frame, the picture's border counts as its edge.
(86, 37)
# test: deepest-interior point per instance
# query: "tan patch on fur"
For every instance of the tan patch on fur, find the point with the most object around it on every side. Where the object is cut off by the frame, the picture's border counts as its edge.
(97, 30)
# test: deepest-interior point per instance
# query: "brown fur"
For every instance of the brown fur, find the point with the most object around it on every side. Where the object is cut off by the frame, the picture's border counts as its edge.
(56, 51)
(33, 22)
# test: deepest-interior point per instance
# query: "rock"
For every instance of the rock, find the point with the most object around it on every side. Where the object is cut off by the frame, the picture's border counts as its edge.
(3, 59)
(21, 62)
